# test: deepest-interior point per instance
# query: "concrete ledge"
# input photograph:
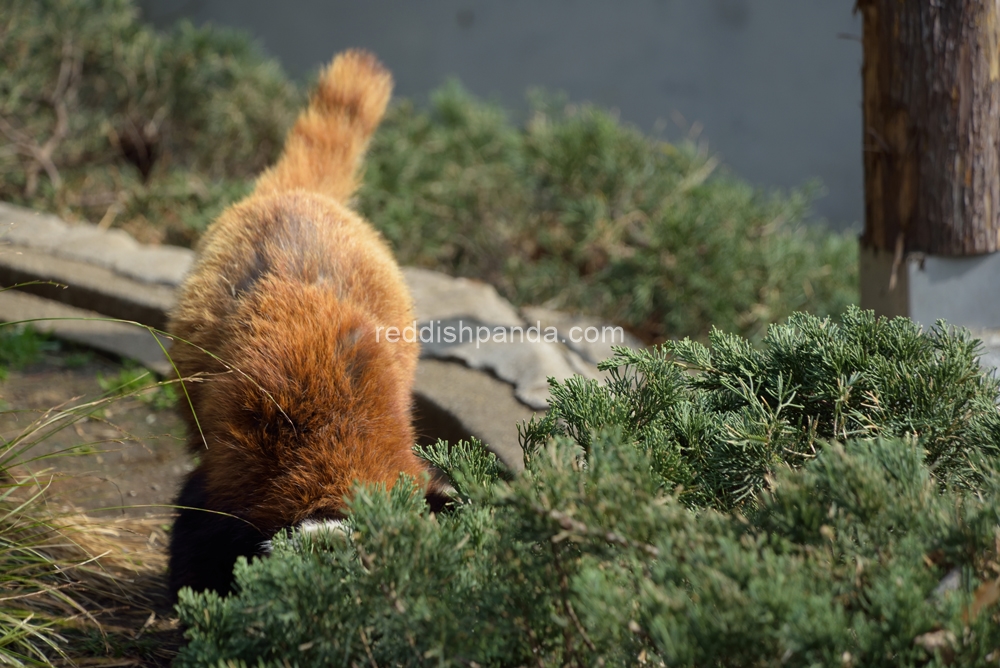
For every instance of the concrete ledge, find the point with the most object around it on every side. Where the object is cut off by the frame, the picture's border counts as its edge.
(481, 405)
(86, 328)
(85, 286)
(111, 249)
(961, 290)
(80, 275)
(437, 296)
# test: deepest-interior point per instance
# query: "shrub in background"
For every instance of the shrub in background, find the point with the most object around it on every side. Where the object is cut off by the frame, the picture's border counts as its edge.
(881, 551)
(104, 119)
(580, 212)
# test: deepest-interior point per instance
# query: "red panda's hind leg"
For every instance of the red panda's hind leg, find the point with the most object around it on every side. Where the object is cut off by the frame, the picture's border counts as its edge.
(204, 545)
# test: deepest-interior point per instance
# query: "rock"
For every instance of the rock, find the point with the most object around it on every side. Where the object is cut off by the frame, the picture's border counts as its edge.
(31, 229)
(490, 335)
(513, 354)
(437, 296)
(482, 384)
(85, 286)
(576, 330)
(92, 245)
(86, 328)
(111, 249)
(167, 265)
(454, 402)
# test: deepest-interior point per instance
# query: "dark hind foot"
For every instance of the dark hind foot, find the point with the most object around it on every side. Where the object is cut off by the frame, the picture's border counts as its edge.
(204, 545)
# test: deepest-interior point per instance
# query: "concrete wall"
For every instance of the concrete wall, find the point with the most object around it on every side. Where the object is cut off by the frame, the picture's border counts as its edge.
(774, 84)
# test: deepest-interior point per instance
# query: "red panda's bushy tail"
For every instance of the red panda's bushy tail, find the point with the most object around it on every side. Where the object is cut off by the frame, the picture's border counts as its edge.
(324, 149)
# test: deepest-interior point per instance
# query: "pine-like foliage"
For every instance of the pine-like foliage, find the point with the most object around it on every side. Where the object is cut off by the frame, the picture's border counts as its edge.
(719, 420)
(103, 118)
(580, 211)
(878, 552)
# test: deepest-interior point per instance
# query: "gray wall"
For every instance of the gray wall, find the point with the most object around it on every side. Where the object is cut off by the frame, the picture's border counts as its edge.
(774, 84)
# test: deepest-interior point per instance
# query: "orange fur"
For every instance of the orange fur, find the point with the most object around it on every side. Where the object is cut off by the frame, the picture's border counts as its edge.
(287, 291)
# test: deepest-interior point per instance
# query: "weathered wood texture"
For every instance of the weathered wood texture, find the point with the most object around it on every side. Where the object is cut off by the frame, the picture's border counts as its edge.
(931, 79)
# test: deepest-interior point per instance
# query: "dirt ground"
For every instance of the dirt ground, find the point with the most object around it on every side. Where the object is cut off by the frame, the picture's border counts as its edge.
(120, 460)
(118, 457)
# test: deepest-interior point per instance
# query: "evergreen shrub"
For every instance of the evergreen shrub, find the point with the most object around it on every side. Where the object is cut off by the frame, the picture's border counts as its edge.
(104, 119)
(864, 530)
(718, 420)
(580, 212)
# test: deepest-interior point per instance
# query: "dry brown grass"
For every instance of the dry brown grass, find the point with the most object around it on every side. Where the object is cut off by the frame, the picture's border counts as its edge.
(75, 589)
(97, 587)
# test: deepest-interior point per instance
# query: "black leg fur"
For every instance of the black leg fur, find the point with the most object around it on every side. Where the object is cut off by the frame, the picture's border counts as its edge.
(204, 545)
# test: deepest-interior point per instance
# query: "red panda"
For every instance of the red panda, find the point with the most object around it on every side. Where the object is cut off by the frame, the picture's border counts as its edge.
(293, 395)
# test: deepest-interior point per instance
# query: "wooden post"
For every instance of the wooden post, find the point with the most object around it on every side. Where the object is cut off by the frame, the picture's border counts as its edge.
(931, 104)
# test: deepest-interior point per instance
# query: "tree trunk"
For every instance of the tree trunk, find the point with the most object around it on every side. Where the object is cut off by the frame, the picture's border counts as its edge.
(931, 79)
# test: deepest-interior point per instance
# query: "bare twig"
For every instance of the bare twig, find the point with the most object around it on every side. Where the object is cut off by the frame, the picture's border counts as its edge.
(41, 155)
(368, 649)
(897, 260)
(572, 526)
(568, 645)
(536, 647)
(579, 626)
(25, 146)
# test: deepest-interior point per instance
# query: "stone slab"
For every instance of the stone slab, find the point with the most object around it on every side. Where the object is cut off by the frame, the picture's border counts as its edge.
(166, 265)
(85, 286)
(111, 249)
(437, 296)
(526, 364)
(482, 406)
(86, 328)
(34, 229)
(575, 332)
